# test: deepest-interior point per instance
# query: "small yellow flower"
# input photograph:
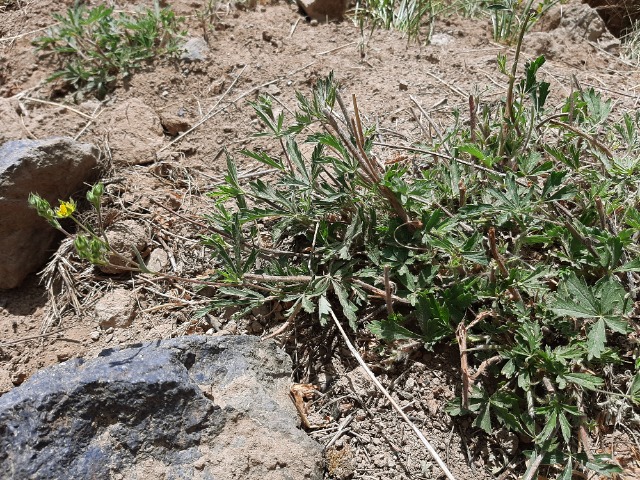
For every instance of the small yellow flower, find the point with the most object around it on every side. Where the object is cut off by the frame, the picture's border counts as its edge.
(65, 209)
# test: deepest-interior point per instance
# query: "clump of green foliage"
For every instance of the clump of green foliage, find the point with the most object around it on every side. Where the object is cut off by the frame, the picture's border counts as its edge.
(509, 16)
(98, 46)
(416, 18)
(513, 235)
(91, 244)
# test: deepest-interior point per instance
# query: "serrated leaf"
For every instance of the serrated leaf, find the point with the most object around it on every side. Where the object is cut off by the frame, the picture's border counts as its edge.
(565, 427)
(596, 339)
(585, 380)
(602, 464)
(549, 427)
(324, 309)
(391, 330)
(632, 266)
(567, 474)
(348, 308)
(483, 420)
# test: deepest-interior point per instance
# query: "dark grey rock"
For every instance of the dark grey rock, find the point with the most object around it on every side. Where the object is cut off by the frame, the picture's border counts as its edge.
(195, 50)
(190, 407)
(54, 168)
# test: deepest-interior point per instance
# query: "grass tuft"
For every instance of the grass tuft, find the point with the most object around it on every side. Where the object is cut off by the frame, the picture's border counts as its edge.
(98, 46)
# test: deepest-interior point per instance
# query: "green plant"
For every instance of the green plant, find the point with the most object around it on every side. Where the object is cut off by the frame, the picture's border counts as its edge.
(207, 17)
(509, 16)
(97, 46)
(408, 16)
(514, 238)
(91, 244)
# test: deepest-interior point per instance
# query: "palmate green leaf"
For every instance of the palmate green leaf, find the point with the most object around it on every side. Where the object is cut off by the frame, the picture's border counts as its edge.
(577, 299)
(354, 230)
(602, 464)
(433, 318)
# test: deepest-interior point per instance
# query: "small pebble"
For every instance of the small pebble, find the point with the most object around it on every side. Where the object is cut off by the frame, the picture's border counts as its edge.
(95, 336)
(313, 23)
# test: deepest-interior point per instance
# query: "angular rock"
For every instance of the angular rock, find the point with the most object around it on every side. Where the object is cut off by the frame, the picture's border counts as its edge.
(618, 15)
(174, 124)
(158, 260)
(116, 309)
(135, 133)
(564, 24)
(191, 407)
(54, 168)
(322, 10)
(195, 50)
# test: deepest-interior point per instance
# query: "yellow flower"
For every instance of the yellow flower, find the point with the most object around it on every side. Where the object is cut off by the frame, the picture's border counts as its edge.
(65, 209)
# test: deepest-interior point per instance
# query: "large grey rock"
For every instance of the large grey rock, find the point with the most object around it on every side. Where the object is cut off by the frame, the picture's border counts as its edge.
(191, 407)
(54, 168)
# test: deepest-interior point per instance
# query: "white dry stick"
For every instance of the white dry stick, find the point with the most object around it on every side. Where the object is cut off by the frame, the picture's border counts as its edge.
(395, 406)
(46, 102)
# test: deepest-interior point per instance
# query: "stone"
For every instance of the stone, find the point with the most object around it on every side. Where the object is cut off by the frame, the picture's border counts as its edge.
(158, 260)
(572, 23)
(135, 133)
(273, 90)
(174, 124)
(618, 15)
(321, 10)
(191, 407)
(54, 168)
(123, 237)
(116, 309)
(441, 39)
(195, 50)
